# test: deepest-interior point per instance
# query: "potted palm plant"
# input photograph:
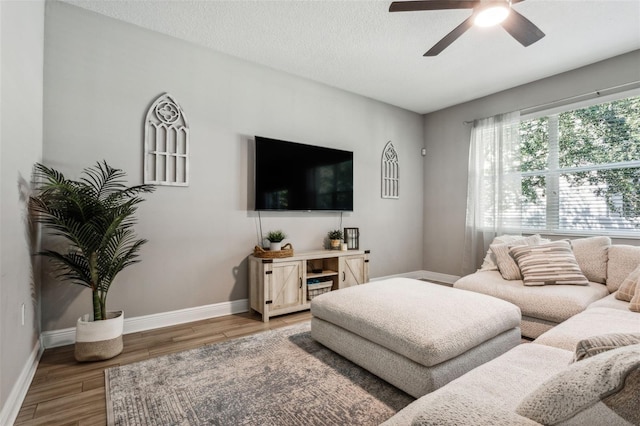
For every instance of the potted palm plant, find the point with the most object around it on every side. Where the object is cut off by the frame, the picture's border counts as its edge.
(275, 238)
(95, 215)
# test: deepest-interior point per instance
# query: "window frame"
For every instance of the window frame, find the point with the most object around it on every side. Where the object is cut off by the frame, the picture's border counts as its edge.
(556, 111)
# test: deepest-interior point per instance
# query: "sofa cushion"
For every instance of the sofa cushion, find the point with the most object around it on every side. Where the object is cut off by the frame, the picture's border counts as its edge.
(610, 302)
(502, 382)
(590, 323)
(553, 303)
(591, 255)
(628, 287)
(604, 389)
(623, 259)
(595, 345)
(464, 410)
(533, 327)
(550, 263)
(490, 262)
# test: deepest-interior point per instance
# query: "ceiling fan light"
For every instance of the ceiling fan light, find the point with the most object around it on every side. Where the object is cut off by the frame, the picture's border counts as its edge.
(491, 16)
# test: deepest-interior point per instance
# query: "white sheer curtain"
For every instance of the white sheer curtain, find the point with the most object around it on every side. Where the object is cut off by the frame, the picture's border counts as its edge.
(494, 188)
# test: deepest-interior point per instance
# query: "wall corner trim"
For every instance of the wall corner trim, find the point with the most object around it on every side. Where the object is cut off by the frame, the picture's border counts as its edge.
(54, 338)
(12, 406)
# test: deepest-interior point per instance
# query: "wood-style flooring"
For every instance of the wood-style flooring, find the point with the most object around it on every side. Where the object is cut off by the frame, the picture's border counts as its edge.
(65, 392)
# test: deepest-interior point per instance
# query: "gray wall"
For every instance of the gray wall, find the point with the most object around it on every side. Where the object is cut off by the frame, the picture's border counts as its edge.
(447, 143)
(21, 32)
(100, 77)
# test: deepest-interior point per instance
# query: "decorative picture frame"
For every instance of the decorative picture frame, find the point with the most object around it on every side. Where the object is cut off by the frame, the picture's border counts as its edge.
(166, 143)
(352, 238)
(390, 171)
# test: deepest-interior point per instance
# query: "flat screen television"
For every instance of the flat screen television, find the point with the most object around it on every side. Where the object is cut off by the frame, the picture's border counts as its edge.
(295, 176)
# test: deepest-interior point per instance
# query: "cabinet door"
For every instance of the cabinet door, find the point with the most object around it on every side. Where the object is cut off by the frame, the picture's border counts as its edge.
(285, 285)
(353, 271)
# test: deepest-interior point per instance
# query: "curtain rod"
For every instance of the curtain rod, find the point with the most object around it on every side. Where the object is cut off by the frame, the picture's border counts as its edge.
(590, 95)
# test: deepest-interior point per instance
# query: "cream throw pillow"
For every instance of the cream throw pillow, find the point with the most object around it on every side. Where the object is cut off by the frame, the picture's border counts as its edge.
(490, 262)
(551, 263)
(592, 256)
(601, 390)
(623, 259)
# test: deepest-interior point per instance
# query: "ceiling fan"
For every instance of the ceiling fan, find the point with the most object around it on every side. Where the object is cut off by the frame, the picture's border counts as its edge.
(485, 13)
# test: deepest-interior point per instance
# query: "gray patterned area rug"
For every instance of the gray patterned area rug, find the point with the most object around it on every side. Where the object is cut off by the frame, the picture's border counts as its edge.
(280, 377)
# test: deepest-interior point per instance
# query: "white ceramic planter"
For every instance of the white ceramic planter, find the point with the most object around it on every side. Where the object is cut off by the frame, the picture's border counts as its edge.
(99, 340)
(275, 246)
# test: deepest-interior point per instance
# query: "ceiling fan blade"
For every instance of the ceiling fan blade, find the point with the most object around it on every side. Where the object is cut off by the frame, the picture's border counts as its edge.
(522, 29)
(410, 6)
(451, 37)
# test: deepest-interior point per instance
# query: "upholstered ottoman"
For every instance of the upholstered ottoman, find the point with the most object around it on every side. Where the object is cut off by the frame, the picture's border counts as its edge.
(416, 335)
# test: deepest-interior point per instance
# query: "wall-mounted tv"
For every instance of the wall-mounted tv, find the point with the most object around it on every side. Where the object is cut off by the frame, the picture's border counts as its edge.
(295, 176)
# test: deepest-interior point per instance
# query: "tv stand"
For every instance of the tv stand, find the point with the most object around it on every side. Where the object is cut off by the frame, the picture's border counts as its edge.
(280, 286)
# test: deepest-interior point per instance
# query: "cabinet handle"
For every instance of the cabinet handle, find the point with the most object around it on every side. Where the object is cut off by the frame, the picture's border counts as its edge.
(344, 276)
(300, 282)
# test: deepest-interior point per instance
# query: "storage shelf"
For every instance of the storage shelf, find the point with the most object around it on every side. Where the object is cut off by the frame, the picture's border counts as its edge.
(283, 285)
(324, 273)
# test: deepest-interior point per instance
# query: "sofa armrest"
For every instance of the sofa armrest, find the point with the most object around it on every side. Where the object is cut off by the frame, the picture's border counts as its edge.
(460, 410)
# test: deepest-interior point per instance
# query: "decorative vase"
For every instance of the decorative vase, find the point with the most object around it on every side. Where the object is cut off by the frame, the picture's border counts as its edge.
(275, 246)
(336, 244)
(99, 340)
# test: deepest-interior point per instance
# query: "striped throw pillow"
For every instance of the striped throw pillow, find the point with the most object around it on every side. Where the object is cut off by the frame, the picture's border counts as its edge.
(551, 263)
(595, 345)
(629, 285)
(634, 305)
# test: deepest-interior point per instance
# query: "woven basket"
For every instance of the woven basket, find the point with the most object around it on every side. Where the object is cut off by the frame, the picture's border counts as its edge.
(314, 290)
(287, 251)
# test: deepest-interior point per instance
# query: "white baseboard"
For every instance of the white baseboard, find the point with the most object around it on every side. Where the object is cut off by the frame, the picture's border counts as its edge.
(55, 338)
(67, 336)
(13, 403)
(423, 275)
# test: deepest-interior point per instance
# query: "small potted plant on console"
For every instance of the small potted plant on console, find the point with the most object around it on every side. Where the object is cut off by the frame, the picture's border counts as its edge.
(335, 238)
(275, 238)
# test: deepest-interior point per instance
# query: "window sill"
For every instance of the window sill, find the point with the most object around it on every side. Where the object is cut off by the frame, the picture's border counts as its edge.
(585, 233)
(629, 235)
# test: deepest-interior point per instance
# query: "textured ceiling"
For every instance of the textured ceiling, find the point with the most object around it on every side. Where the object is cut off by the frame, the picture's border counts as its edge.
(360, 47)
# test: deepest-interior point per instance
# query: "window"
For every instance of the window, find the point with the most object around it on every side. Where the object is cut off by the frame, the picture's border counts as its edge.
(580, 170)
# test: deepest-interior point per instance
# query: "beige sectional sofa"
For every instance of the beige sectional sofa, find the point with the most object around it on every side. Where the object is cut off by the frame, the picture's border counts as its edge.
(546, 381)
(543, 307)
(538, 383)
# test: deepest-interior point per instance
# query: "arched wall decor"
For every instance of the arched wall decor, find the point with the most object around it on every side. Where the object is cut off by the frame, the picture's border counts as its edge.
(390, 172)
(166, 144)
